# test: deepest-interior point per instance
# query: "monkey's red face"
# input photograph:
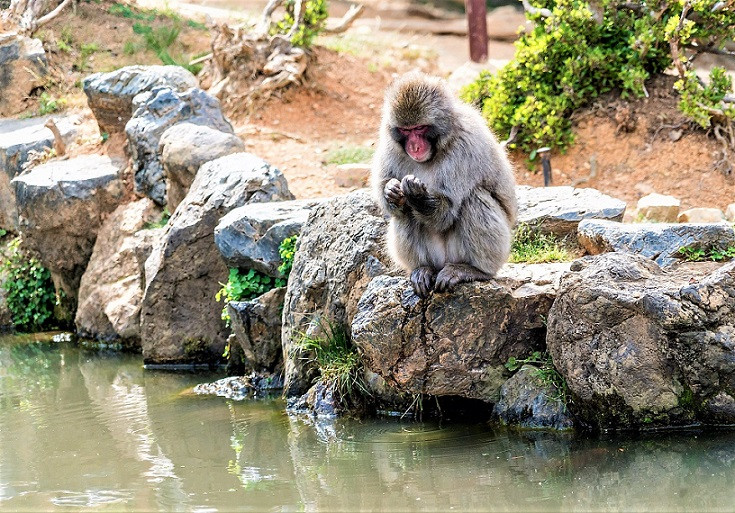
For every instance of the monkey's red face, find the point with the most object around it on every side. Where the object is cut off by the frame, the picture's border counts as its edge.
(416, 142)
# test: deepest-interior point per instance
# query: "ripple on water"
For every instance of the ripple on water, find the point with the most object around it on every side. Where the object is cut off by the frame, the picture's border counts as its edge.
(90, 498)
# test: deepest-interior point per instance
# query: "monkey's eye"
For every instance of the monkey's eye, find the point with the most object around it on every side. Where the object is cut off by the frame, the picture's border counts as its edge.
(417, 129)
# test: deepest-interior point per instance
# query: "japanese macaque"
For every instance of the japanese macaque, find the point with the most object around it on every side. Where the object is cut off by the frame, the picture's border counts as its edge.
(445, 182)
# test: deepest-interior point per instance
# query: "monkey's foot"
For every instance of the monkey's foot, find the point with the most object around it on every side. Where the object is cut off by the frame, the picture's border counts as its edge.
(393, 193)
(453, 274)
(422, 279)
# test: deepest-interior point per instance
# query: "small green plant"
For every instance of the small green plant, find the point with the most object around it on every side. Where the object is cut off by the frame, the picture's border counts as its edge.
(314, 17)
(125, 11)
(86, 50)
(546, 373)
(130, 48)
(287, 250)
(3, 232)
(245, 285)
(339, 363)
(163, 221)
(700, 254)
(30, 293)
(350, 155)
(48, 104)
(530, 245)
(160, 39)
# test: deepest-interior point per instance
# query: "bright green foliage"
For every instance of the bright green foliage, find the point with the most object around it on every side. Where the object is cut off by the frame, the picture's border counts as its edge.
(530, 245)
(339, 363)
(546, 373)
(287, 250)
(245, 285)
(125, 11)
(30, 293)
(578, 53)
(700, 103)
(699, 254)
(86, 50)
(160, 39)
(315, 16)
(163, 221)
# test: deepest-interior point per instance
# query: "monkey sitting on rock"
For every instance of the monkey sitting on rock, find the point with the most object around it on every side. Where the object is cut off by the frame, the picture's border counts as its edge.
(446, 183)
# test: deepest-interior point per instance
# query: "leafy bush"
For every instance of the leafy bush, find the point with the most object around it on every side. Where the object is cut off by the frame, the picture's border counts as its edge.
(30, 293)
(579, 52)
(530, 245)
(287, 251)
(315, 16)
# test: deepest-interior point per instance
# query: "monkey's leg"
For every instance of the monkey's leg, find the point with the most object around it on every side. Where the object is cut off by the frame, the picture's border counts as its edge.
(422, 279)
(452, 274)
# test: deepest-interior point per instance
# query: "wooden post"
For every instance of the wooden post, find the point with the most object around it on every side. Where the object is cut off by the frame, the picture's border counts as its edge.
(477, 21)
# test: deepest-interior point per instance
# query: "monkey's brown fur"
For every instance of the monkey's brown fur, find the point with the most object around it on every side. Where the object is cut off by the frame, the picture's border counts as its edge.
(451, 216)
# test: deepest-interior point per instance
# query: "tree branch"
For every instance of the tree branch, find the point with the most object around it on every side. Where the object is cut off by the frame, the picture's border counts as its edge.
(43, 20)
(674, 42)
(543, 12)
(298, 18)
(347, 20)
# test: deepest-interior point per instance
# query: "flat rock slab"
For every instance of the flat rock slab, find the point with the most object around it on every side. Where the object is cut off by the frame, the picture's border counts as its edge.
(249, 236)
(559, 210)
(61, 205)
(657, 241)
(644, 347)
(18, 137)
(455, 343)
(110, 95)
(22, 68)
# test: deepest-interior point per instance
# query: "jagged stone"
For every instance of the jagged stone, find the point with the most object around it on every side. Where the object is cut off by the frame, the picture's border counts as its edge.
(238, 388)
(110, 95)
(249, 236)
(111, 288)
(18, 138)
(184, 147)
(22, 69)
(61, 206)
(658, 208)
(559, 210)
(642, 347)
(180, 319)
(659, 242)
(457, 343)
(156, 111)
(702, 215)
(341, 247)
(256, 325)
(730, 213)
(528, 402)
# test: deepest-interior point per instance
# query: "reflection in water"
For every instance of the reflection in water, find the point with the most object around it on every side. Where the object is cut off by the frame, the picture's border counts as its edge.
(85, 430)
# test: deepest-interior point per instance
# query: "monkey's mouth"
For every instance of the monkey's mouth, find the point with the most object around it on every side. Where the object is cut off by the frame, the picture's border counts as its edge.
(419, 152)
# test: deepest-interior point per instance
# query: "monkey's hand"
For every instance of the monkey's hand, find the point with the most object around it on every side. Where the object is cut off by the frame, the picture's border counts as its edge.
(394, 194)
(413, 188)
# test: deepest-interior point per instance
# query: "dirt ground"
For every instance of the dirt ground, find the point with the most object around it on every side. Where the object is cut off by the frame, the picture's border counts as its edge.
(626, 149)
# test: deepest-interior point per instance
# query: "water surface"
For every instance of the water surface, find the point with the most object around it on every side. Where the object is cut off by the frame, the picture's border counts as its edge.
(90, 430)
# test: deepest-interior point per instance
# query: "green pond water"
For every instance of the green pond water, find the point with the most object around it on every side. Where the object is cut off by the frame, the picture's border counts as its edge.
(90, 430)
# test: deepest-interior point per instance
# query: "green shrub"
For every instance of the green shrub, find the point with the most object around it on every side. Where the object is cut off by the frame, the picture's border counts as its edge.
(578, 53)
(315, 16)
(48, 104)
(245, 285)
(30, 293)
(530, 245)
(700, 254)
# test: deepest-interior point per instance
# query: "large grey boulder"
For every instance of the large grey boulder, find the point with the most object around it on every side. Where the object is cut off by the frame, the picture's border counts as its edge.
(180, 319)
(455, 343)
(184, 147)
(61, 206)
(340, 249)
(249, 236)
(639, 346)
(256, 325)
(559, 210)
(528, 401)
(154, 112)
(111, 288)
(658, 241)
(22, 69)
(110, 95)
(18, 137)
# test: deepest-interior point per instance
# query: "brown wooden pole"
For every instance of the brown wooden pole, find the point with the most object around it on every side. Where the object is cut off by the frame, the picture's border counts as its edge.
(477, 21)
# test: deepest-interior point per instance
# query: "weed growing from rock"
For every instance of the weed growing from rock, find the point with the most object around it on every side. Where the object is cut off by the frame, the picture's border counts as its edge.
(715, 254)
(546, 373)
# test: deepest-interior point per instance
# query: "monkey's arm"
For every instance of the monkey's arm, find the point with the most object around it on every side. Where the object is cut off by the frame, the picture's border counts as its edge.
(431, 208)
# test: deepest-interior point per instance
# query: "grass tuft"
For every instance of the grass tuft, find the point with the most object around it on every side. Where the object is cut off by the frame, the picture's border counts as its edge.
(533, 247)
(350, 155)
